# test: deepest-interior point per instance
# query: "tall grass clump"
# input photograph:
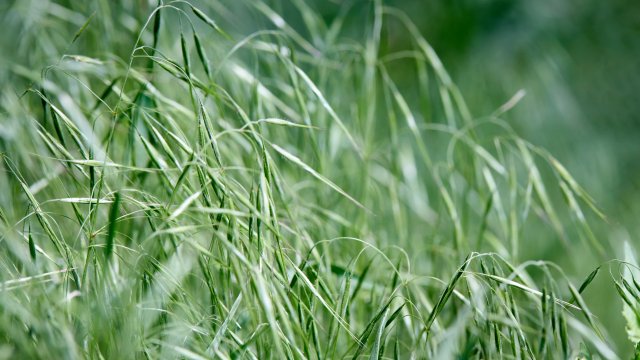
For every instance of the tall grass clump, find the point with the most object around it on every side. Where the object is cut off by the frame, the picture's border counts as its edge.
(195, 180)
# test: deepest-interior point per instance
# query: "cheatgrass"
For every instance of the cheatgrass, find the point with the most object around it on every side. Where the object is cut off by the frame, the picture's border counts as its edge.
(176, 185)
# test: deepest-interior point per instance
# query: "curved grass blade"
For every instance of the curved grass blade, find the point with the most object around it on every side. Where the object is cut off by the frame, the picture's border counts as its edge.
(315, 174)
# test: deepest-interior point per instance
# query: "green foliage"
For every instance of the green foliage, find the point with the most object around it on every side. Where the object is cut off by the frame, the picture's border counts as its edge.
(276, 193)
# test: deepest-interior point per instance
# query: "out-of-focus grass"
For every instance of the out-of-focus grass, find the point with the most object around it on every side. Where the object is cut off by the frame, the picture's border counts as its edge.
(578, 62)
(302, 180)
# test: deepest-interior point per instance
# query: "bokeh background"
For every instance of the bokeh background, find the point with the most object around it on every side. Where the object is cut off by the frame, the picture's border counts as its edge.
(579, 63)
(577, 60)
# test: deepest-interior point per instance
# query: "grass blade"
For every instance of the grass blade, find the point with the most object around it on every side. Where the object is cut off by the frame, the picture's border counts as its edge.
(113, 222)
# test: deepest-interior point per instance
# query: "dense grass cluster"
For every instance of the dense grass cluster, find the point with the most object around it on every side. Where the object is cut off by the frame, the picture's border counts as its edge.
(280, 194)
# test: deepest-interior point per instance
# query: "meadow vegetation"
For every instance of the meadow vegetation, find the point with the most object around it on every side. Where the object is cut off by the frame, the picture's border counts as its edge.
(176, 185)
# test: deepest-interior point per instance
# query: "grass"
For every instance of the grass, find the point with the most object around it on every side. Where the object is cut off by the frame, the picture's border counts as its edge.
(279, 193)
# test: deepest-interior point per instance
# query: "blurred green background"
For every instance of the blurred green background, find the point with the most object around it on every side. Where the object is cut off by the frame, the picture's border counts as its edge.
(578, 61)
